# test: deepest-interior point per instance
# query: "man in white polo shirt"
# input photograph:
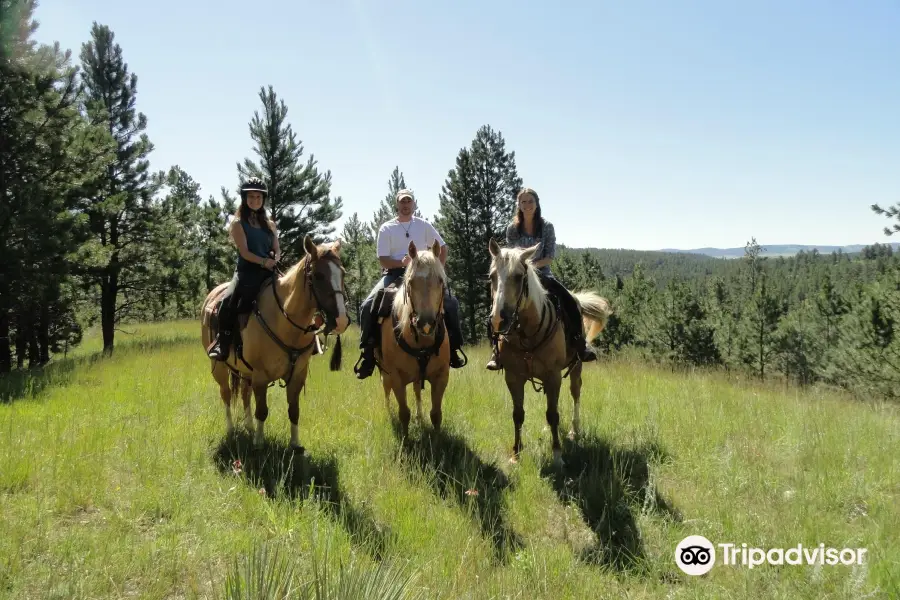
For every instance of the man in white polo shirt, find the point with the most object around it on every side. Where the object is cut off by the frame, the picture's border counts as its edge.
(393, 242)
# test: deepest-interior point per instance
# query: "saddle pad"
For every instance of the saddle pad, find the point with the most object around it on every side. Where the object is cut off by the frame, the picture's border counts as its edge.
(384, 301)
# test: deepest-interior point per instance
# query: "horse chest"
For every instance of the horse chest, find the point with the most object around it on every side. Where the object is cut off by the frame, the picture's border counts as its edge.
(548, 358)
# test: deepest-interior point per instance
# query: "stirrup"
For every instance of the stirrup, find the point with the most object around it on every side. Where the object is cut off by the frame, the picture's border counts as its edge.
(461, 362)
(217, 352)
(366, 369)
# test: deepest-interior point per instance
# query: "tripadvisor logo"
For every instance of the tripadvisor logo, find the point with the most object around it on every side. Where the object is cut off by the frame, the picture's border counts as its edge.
(696, 555)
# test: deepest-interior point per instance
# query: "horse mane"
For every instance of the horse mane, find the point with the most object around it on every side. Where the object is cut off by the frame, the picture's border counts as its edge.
(512, 260)
(426, 262)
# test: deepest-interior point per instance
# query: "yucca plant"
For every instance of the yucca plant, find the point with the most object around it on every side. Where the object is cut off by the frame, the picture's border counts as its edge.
(268, 575)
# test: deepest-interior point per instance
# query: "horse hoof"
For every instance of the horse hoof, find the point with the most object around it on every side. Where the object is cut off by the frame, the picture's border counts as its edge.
(557, 460)
(572, 435)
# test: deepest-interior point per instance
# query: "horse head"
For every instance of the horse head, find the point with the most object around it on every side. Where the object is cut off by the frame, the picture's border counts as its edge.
(514, 284)
(325, 277)
(421, 301)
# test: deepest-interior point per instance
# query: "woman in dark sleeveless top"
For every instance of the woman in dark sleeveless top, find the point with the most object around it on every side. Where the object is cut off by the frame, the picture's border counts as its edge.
(256, 239)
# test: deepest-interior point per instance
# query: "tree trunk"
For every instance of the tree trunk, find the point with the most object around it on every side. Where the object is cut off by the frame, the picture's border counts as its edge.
(44, 333)
(34, 354)
(5, 351)
(108, 311)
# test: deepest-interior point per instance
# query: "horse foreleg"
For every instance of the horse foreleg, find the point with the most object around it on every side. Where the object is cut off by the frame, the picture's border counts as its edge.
(386, 384)
(552, 385)
(293, 399)
(516, 386)
(403, 409)
(225, 393)
(575, 389)
(245, 397)
(262, 412)
(417, 389)
(438, 388)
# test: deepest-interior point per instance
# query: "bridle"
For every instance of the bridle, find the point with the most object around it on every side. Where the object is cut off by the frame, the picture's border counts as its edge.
(514, 322)
(329, 320)
(422, 354)
(516, 326)
(414, 316)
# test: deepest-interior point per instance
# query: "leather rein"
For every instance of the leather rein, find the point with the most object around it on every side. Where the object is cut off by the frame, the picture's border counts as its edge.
(516, 329)
(422, 354)
(329, 320)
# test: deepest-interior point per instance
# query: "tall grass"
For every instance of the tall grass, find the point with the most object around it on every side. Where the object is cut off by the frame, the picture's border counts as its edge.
(117, 480)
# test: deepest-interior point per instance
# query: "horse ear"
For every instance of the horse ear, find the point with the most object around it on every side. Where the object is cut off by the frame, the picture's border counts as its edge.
(411, 249)
(526, 256)
(310, 247)
(494, 247)
(336, 247)
(436, 248)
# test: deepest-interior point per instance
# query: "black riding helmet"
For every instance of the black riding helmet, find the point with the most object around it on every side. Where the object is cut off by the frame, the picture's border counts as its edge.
(254, 184)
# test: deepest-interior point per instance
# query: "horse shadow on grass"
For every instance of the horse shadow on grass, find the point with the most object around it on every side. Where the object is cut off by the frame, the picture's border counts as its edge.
(455, 471)
(292, 475)
(610, 486)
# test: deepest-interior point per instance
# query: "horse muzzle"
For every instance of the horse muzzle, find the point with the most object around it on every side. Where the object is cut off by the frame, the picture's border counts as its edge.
(425, 326)
(341, 324)
(500, 320)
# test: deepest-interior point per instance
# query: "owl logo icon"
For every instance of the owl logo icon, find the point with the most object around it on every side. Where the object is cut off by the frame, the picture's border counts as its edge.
(695, 555)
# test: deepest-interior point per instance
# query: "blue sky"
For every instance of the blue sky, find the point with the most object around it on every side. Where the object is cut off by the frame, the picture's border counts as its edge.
(641, 124)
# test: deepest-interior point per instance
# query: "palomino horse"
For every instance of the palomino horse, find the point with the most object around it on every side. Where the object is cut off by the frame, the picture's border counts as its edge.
(532, 337)
(414, 346)
(280, 335)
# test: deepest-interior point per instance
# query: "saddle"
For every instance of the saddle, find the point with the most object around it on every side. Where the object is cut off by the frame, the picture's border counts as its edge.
(244, 310)
(383, 303)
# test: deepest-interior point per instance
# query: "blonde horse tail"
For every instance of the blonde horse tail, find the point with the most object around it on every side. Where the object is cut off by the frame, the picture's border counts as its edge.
(595, 310)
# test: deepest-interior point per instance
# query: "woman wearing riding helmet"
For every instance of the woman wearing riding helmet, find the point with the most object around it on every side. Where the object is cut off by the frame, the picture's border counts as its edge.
(256, 238)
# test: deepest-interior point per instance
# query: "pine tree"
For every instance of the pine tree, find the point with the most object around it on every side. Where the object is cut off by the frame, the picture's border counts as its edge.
(119, 207)
(299, 197)
(831, 306)
(47, 151)
(215, 241)
(17, 26)
(870, 342)
(360, 261)
(798, 345)
(175, 264)
(754, 262)
(760, 325)
(724, 312)
(567, 270)
(387, 210)
(891, 212)
(476, 202)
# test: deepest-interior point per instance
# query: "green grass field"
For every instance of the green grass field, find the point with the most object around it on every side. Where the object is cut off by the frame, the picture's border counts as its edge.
(117, 481)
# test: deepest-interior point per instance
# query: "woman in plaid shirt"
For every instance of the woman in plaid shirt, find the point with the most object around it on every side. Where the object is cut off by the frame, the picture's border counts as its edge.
(527, 229)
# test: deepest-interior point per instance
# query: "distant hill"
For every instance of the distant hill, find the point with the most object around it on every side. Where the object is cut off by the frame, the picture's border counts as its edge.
(774, 250)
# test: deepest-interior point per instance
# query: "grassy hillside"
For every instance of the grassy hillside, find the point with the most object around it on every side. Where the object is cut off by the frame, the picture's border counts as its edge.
(117, 481)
